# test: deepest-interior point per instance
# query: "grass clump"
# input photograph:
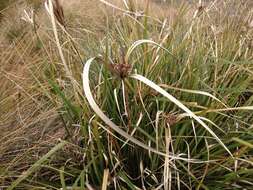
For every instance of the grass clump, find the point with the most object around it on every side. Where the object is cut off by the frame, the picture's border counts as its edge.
(165, 102)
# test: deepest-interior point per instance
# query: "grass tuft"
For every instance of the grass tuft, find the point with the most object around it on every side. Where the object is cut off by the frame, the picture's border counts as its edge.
(145, 94)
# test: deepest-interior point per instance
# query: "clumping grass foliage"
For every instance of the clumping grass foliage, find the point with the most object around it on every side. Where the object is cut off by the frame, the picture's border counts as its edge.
(143, 95)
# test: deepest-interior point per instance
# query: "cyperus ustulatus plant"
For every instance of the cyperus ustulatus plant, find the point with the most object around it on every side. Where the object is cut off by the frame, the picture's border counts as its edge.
(164, 115)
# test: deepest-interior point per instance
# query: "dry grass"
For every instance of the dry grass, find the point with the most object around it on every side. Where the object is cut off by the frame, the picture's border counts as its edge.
(30, 126)
(33, 116)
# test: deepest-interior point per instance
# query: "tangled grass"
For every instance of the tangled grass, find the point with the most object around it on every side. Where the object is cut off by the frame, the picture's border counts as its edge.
(127, 95)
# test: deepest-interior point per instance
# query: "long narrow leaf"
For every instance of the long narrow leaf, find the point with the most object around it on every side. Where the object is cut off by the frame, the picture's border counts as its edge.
(193, 92)
(35, 166)
(179, 104)
(139, 42)
(245, 143)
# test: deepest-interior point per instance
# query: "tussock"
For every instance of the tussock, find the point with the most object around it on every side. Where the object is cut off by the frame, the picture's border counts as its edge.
(167, 103)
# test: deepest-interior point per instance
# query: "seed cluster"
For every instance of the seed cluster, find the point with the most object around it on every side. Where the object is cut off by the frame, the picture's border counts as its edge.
(122, 69)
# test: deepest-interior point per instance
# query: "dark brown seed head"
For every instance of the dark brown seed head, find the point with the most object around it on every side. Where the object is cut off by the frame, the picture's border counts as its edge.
(121, 69)
(58, 12)
(171, 119)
